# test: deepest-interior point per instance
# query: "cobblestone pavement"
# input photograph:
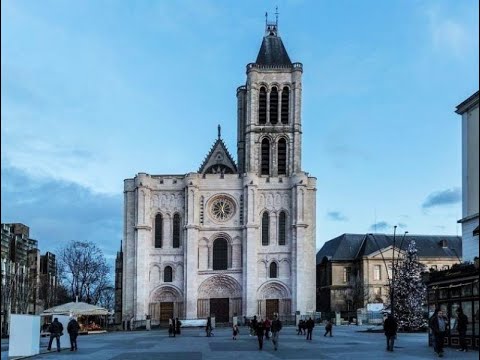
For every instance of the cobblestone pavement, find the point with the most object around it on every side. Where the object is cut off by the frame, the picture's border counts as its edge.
(348, 342)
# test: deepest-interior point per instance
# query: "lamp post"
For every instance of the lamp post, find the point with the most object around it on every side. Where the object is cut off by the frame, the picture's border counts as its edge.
(391, 280)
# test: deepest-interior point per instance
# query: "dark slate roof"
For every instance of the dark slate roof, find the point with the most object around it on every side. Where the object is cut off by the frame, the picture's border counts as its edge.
(349, 247)
(272, 52)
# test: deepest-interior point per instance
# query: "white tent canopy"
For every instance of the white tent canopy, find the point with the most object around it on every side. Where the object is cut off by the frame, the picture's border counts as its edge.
(76, 308)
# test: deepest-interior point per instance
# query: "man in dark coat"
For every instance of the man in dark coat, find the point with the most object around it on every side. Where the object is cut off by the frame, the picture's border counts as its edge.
(56, 330)
(260, 333)
(208, 328)
(438, 323)
(178, 324)
(276, 327)
(73, 328)
(390, 327)
(310, 324)
(253, 325)
(462, 322)
(174, 327)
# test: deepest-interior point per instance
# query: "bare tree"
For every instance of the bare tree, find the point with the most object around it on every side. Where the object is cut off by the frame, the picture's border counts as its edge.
(84, 270)
(357, 293)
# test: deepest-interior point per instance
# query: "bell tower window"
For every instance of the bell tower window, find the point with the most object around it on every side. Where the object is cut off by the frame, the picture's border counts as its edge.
(176, 231)
(262, 106)
(285, 100)
(282, 157)
(265, 163)
(158, 230)
(265, 229)
(282, 228)
(274, 105)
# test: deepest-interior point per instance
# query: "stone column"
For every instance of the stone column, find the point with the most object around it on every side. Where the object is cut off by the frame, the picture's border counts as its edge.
(250, 244)
(191, 256)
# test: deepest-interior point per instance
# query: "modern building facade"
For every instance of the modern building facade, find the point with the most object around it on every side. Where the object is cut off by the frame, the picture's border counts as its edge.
(351, 269)
(468, 109)
(232, 238)
(29, 279)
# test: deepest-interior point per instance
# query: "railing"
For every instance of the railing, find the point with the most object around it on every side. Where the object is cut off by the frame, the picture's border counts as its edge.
(296, 66)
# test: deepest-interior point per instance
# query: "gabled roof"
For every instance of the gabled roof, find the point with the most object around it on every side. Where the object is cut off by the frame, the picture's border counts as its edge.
(218, 160)
(349, 247)
(272, 52)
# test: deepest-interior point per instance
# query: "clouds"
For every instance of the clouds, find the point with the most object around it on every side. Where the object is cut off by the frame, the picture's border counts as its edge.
(336, 216)
(59, 211)
(384, 226)
(443, 198)
(450, 34)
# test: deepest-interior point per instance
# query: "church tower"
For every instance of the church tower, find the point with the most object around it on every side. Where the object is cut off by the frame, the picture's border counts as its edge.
(269, 111)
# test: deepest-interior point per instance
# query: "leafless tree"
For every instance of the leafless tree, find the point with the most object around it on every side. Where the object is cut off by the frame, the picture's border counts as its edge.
(357, 293)
(84, 271)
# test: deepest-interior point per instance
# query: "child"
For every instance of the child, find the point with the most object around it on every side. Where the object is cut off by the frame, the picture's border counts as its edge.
(235, 332)
(328, 328)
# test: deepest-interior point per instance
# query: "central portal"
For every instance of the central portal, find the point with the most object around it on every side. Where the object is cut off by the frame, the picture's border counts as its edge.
(272, 307)
(220, 309)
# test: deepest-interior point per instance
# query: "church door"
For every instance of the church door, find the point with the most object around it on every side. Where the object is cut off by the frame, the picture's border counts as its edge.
(271, 307)
(220, 309)
(166, 311)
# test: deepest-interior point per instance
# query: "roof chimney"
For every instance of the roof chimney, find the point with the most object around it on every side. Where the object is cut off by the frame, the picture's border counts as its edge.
(443, 243)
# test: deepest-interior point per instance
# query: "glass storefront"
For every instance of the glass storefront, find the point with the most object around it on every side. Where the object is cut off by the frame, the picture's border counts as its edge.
(450, 289)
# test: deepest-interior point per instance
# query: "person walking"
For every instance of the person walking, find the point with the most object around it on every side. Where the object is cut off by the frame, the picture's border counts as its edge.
(310, 324)
(208, 328)
(73, 328)
(253, 326)
(268, 324)
(174, 327)
(390, 327)
(300, 327)
(178, 324)
(235, 331)
(260, 330)
(276, 327)
(438, 324)
(328, 328)
(462, 322)
(56, 330)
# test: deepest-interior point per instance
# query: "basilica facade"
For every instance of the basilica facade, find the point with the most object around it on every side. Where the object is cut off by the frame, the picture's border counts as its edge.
(235, 238)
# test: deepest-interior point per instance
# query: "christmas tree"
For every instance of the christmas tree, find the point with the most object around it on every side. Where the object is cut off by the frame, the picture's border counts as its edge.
(409, 290)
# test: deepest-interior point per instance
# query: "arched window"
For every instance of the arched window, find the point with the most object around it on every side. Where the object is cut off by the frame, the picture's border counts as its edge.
(265, 228)
(176, 231)
(274, 105)
(285, 100)
(282, 157)
(158, 230)
(282, 228)
(273, 270)
(167, 274)
(265, 166)
(262, 106)
(220, 254)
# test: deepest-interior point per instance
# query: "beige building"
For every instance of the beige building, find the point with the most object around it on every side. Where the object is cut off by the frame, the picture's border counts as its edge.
(468, 109)
(232, 238)
(354, 269)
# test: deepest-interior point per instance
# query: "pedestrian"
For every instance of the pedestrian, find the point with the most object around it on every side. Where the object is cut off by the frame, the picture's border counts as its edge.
(178, 324)
(260, 330)
(73, 328)
(438, 324)
(56, 330)
(461, 325)
(390, 327)
(174, 327)
(328, 328)
(276, 327)
(208, 328)
(300, 327)
(268, 324)
(235, 331)
(310, 324)
(253, 326)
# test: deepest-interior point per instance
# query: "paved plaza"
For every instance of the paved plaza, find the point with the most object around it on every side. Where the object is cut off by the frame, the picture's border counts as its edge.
(348, 342)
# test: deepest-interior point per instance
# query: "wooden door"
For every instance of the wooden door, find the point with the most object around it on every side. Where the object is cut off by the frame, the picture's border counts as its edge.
(220, 309)
(271, 307)
(166, 311)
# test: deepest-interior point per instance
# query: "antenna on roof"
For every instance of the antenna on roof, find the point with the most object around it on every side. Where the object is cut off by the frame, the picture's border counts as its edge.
(266, 18)
(276, 15)
(219, 131)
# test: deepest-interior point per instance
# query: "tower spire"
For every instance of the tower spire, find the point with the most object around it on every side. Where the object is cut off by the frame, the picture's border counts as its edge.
(219, 131)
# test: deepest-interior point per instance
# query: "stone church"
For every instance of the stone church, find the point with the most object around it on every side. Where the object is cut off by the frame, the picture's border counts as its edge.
(233, 238)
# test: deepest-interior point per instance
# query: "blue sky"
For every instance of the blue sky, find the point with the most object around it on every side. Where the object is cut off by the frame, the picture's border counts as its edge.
(94, 92)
